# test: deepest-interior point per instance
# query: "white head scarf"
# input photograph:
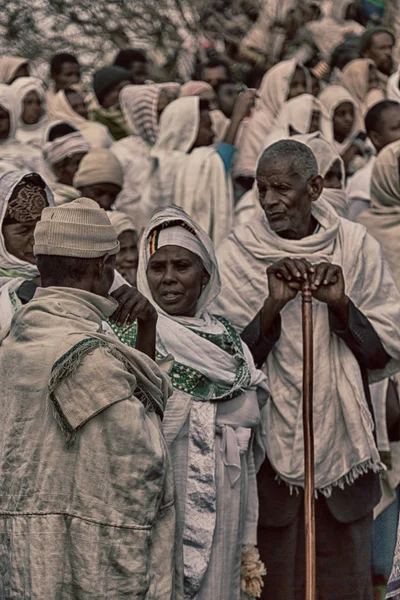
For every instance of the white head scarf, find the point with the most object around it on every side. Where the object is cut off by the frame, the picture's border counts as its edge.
(393, 91)
(31, 134)
(326, 156)
(20, 155)
(383, 218)
(273, 93)
(96, 134)
(356, 79)
(196, 181)
(332, 97)
(139, 106)
(9, 65)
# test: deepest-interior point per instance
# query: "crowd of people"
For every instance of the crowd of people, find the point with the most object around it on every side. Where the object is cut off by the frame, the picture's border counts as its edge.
(154, 241)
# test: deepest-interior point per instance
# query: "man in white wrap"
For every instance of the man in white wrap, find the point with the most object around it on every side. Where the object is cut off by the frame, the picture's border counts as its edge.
(87, 496)
(356, 335)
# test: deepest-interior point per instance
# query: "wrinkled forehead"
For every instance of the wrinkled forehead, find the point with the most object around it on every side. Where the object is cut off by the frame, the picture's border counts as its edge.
(282, 167)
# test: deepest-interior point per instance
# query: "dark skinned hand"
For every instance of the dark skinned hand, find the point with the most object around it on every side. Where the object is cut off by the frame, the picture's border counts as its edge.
(286, 277)
(327, 284)
(133, 306)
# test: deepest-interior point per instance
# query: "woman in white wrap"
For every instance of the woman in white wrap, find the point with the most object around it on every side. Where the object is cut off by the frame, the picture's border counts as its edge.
(33, 120)
(346, 124)
(69, 105)
(284, 81)
(19, 154)
(142, 107)
(188, 171)
(212, 421)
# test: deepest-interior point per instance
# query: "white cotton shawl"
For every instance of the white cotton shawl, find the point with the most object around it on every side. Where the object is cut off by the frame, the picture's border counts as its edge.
(383, 218)
(393, 91)
(331, 97)
(355, 78)
(31, 134)
(13, 271)
(9, 65)
(139, 105)
(298, 112)
(344, 444)
(96, 134)
(21, 155)
(193, 180)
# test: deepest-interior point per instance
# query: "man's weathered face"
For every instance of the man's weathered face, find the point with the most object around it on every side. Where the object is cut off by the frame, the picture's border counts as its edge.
(381, 52)
(69, 75)
(284, 196)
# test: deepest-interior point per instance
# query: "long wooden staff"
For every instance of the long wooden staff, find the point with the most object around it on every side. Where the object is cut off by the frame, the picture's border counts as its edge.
(309, 502)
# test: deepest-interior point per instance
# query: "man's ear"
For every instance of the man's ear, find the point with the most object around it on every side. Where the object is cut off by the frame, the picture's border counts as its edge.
(315, 186)
(100, 266)
(374, 137)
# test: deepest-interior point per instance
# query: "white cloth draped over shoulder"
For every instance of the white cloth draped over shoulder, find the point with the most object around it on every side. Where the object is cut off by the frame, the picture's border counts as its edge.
(345, 446)
(332, 97)
(31, 134)
(295, 118)
(96, 134)
(139, 105)
(273, 92)
(382, 219)
(13, 271)
(194, 180)
(21, 155)
(216, 486)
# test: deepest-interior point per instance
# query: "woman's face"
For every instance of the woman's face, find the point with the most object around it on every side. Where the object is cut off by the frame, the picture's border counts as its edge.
(176, 278)
(19, 240)
(205, 136)
(4, 123)
(32, 108)
(128, 257)
(315, 121)
(333, 179)
(343, 121)
(373, 81)
(298, 85)
(77, 104)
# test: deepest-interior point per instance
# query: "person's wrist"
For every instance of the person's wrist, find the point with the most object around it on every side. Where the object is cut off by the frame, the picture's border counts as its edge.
(275, 304)
(149, 321)
(339, 304)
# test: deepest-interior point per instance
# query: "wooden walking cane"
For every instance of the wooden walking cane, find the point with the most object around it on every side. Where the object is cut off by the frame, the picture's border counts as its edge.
(309, 501)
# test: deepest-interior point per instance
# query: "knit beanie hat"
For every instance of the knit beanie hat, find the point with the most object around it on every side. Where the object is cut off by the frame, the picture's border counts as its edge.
(79, 229)
(98, 166)
(121, 222)
(106, 78)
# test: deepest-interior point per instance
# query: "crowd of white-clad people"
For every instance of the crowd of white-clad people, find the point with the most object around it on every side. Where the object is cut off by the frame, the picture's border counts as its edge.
(154, 239)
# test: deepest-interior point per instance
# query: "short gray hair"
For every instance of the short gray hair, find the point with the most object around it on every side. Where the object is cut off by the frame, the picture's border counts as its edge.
(295, 151)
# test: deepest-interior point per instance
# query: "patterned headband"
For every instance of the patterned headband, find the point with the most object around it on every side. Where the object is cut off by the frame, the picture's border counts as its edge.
(26, 204)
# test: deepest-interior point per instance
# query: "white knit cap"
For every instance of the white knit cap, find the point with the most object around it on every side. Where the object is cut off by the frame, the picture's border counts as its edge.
(121, 222)
(98, 166)
(79, 229)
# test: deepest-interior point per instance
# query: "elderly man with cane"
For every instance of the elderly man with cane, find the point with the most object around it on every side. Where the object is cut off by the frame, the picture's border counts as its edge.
(87, 496)
(298, 238)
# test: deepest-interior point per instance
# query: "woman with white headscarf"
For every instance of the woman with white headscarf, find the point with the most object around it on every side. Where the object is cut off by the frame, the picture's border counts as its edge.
(142, 107)
(347, 126)
(69, 105)
(188, 171)
(33, 120)
(284, 81)
(22, 199)
(20, 155)
(212, 421)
